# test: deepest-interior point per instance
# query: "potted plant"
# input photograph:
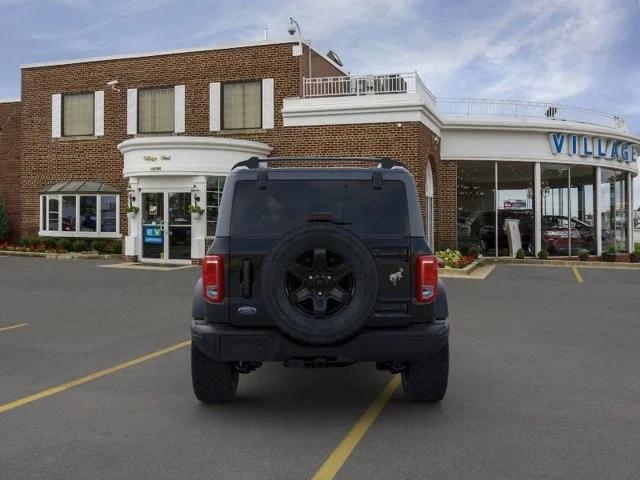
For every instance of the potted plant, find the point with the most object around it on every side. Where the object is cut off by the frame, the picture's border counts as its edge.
(196, 211)
(132, 211)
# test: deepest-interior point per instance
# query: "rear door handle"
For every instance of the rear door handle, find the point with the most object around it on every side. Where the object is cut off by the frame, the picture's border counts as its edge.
(246, 278)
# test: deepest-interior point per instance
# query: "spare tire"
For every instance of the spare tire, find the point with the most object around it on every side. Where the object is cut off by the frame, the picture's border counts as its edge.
(319, 283)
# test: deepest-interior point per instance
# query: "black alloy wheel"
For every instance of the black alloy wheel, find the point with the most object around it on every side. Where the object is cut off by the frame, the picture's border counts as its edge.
(320, 282)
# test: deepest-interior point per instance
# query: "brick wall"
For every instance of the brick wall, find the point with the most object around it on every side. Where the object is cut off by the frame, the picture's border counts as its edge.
(45, 160)
(9, 163)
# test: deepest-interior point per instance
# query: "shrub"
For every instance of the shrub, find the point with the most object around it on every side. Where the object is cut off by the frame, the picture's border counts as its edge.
(634, 257)
(29, 241)
(48, 242)
(79, 246)
(520, 253)
(115, 247)
(99, 246)
(543, 254)
(583, 255)
(64, 244)
(609, 255)
(474, 251)
(4, 221)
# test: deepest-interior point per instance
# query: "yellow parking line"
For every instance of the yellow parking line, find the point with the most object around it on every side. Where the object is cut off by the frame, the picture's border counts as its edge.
(13, 326)
(577, 275)
(79, 381)
(334, 463)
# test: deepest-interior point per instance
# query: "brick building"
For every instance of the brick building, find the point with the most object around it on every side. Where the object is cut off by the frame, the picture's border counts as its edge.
(160, 131)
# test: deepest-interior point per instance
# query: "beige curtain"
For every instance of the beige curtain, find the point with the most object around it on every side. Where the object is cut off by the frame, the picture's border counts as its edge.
(242, 105)
(77, 114)
(156, 110)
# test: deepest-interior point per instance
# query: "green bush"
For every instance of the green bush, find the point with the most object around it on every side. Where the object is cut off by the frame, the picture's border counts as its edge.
(520, 253)
(29, 241)
(475, 251)
(99, 246)
(609, 255)
(634, 257)
(4, 221)
(583, 255)
(64, 244)
(543, 254)
(79, 245)
(115, 247)
(48, 242)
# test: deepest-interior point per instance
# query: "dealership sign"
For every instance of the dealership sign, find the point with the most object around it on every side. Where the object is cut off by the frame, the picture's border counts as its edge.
(590, 146)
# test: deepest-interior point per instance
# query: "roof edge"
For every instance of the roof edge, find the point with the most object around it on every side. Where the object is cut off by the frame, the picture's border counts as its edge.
(10, 100)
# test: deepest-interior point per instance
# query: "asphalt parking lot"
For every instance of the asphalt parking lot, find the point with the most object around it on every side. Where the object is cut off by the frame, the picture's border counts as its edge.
(545, 383)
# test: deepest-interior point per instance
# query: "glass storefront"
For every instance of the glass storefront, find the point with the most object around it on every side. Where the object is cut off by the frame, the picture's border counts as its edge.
(516, 220)
(568, 199)
(477, 206)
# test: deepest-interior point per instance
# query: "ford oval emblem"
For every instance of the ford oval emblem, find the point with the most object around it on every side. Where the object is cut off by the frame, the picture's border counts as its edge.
(247, 310)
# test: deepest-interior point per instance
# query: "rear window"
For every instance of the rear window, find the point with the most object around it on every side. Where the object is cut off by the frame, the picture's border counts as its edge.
(287, 204)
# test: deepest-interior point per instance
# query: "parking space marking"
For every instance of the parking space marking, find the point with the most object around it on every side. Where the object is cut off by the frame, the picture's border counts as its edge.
(11, 327)
(334, 463)
(577, 274)
(88, 378)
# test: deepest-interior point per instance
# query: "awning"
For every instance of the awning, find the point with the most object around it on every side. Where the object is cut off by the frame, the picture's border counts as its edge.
(80, 186)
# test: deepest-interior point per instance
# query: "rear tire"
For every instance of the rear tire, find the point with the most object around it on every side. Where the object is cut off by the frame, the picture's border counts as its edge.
(426, 380)
(212, 381)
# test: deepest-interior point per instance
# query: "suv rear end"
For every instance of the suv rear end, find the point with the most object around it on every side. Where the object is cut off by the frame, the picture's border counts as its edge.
(319, 267)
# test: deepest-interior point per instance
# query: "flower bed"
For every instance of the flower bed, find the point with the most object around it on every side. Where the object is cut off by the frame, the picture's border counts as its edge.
(455, 259)
(48, 245)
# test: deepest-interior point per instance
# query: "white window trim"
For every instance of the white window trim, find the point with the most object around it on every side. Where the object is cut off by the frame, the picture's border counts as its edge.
(78, 233)
(57, 112)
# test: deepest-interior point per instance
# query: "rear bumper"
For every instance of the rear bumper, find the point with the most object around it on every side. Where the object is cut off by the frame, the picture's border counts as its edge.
(231, 344)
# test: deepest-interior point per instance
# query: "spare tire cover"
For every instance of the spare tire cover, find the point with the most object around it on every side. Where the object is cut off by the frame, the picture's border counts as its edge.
(319, 283)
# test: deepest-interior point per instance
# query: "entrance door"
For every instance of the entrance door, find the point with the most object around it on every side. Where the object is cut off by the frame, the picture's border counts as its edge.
(166, 226)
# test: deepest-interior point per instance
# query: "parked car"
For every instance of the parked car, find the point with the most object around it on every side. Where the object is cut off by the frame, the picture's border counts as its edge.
(319, 268)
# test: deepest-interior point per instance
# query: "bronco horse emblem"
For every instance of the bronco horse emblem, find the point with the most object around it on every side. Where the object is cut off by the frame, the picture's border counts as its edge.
(394, 277)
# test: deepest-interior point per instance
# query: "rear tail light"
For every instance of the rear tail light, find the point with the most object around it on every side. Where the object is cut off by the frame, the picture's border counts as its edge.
(426, 278)
(213, 278)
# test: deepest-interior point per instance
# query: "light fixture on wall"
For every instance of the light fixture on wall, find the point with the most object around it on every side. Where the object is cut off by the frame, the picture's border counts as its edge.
(195, 192)
(132, 194)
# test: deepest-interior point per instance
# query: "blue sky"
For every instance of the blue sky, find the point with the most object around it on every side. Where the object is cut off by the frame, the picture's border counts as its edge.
(581, 52)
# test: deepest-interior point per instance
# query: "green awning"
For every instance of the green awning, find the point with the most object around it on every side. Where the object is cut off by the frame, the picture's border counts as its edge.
(80, 186)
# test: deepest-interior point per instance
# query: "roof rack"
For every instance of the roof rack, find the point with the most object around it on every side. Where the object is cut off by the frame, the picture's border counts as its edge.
(383, 162)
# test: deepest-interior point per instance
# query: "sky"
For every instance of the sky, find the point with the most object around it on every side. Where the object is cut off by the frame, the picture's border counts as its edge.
(577, 52)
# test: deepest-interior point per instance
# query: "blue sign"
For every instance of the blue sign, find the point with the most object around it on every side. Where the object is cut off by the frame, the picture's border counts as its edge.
(153, 235)
(590, 146)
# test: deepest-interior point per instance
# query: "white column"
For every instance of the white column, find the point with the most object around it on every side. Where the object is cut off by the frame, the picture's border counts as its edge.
(598, 211)
(132, 245)
(630, 222)
(537, 196)
(199, 226)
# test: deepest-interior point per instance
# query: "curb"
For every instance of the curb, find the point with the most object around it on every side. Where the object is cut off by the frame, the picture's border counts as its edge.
(563, 263)
(61, 256)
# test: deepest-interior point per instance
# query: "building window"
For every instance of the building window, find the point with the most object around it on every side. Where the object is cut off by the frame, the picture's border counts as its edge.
(156, 110)
(242, 105)
(214, 194)
(77, 215)
(78, 114)
(614, 210)
(477, 207)
(515, 205)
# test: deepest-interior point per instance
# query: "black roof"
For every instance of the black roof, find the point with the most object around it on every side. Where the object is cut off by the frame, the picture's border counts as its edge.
(81, 186)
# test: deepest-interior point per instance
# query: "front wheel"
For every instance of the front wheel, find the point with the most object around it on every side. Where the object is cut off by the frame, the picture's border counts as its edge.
(212, 381)
(426, 380)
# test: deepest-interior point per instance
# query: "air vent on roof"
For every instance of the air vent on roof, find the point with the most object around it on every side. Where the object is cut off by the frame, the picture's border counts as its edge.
(334, 57)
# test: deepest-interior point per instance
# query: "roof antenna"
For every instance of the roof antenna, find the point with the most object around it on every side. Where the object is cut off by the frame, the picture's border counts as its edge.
(266, 33)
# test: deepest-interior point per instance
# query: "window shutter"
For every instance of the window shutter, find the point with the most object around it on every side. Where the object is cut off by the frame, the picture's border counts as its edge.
(56, 115)
(267, 103)
(214, 106)
(98, 112)
(132, 111)
(178, 98)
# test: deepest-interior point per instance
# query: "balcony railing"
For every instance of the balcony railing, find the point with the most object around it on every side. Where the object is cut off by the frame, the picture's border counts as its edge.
(525, 109)
(366, 85)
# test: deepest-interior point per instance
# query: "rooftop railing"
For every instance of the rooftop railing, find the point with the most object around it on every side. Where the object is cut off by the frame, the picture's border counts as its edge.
(525, 109)
(404, 83)
(366, 85)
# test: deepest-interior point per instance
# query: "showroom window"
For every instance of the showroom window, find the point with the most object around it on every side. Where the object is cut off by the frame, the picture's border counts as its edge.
(80, 209)
(614, 210)
(78, 114)
(156, 110)
(214, 195)
(477, 206)
(242, 105)
(515, 207)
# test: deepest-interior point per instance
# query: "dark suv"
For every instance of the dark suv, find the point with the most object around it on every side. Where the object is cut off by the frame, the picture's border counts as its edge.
(319, 267)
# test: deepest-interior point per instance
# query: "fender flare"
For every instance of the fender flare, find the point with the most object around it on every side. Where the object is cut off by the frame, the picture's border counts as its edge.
(197, 308)
(442, 307)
